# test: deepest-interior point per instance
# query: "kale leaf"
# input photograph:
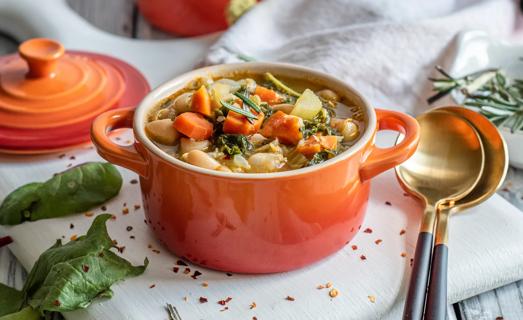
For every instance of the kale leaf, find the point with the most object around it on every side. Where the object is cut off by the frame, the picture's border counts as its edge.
(75, 190)
(319, 124)
(231, 144)
(26, 313)
(321, 157)
(68, 277)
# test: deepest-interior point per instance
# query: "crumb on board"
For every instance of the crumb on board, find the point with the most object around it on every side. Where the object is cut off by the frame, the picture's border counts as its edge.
(402, 232)
(205, 284)
(74, 237)
(290, 298)
(378, 241)
(125, 210)
(363, 257)
(403, 254)
(71, 226)
(152, 286)
(252, 305)
(89, 213)
(367, 230)
(137, 207)
(176, 269)
(354, 247)
(372, 299)
(203, 300)
(328, 284)
(133, 181)
(187, 271)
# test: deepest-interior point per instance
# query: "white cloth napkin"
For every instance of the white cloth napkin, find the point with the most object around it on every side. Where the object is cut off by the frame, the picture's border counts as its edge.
(386, 49)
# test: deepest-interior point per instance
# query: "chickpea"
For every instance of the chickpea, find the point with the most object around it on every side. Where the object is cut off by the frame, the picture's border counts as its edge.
(329, 95)
(162, 131)
(187, 145)
(350, 130)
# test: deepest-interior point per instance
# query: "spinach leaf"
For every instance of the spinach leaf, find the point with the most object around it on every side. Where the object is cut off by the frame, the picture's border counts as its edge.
(231, 144)
(321, 157)
(319, 124)
(11, 300)
(26, 313)
(75, 190)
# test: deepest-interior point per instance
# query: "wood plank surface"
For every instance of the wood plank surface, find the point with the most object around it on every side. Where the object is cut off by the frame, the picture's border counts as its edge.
(122, 18)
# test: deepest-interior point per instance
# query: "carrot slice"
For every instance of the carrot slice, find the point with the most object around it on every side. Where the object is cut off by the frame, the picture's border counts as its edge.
(267, 95)
(284, 127)
(201, 102)
(238, 124)
(193, 125)
(317, 143)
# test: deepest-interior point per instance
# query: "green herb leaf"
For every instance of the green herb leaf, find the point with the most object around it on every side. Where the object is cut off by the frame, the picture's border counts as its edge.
(319, 124)
(11, 300)
(231, 144)
(247, 101)
(68, 277)
(75, 190)
(321, 157)
(26, 313)
(246, 113)
(280, 85)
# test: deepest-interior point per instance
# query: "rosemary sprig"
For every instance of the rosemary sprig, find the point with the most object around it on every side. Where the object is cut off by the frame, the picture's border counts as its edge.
(488, 92)
(246, 113)
(247, 101)
(173, 312)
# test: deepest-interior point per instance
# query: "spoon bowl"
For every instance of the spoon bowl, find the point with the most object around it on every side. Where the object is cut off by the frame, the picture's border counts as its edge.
(446, 167)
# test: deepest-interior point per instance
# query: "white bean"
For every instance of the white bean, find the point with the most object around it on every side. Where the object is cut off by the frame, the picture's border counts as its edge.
(162, 131)
(266, 162)
(329, 95)
(201, 159)
(183, 103)
(187, 145)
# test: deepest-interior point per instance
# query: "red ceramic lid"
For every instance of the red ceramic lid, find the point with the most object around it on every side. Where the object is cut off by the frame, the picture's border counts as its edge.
(49, 97)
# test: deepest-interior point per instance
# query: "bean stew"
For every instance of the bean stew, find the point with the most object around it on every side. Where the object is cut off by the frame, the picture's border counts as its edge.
(254, 123)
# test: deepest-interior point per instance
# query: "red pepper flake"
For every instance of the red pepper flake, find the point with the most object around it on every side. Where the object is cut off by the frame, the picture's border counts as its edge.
(56, 303)
(129, 228)
(125, 210)
(156, 251)
(120, 249)
(69, 165)
(115, 242)
(124, 204)
(406, 194)
(368, 230)
(290, 298)
(61, 156)
(254, 318)
(229, 274)
(500, 318)
(505, 189)
(72, 158)
(85, 268)
(402, 232)
(152, 286)
(175, 269)
(181, 263)
(388, 203)
(196, 274)
(74, 237)
(71, 226)
(133, 181)
(362, 257)
(113, 217)
(104, 208)
(252, 305)
(378, 241)
(224, 309)
(187, 271)
(4, 241)
(411, 261)
(403, 254)
(132, 237)
(89, 214)
(137, 207)
(145, 221)
(149, 246)
(354, 247)
(203, 300)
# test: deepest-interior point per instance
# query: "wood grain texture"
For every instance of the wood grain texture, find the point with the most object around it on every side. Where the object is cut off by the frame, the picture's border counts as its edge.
(116, 16)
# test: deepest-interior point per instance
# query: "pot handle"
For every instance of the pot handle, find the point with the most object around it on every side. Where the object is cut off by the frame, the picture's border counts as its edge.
(125, 156)
(382, 159)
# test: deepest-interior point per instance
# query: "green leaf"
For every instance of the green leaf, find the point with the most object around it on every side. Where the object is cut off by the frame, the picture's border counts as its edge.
(11, 300)
(26, 313)
(75, 190)
(231, 144)
(68, 277)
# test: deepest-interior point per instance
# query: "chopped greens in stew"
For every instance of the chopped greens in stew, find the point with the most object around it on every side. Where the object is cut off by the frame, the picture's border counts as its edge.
(254, 124)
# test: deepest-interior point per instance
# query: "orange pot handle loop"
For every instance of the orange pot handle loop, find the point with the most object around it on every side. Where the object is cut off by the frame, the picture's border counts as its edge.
(125, 156)
(382, 159)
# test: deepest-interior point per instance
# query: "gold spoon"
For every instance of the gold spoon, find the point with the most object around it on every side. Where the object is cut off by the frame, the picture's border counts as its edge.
(446, 167)
(494, 171)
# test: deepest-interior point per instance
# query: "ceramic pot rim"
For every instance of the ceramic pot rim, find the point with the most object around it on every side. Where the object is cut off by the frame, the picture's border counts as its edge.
(179, 82)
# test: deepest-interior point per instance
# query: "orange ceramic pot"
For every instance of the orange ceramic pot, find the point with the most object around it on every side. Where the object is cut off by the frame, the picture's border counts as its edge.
(255, 223)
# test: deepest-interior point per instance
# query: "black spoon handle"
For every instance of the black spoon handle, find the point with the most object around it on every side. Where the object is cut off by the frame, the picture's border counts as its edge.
(437, 296)
(418, 278)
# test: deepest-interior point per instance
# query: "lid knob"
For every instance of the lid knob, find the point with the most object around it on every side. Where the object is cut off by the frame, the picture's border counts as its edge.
(41, 55)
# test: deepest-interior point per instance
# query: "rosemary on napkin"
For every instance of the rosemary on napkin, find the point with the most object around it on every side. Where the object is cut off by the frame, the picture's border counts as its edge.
(489, 92)
(69, 276)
